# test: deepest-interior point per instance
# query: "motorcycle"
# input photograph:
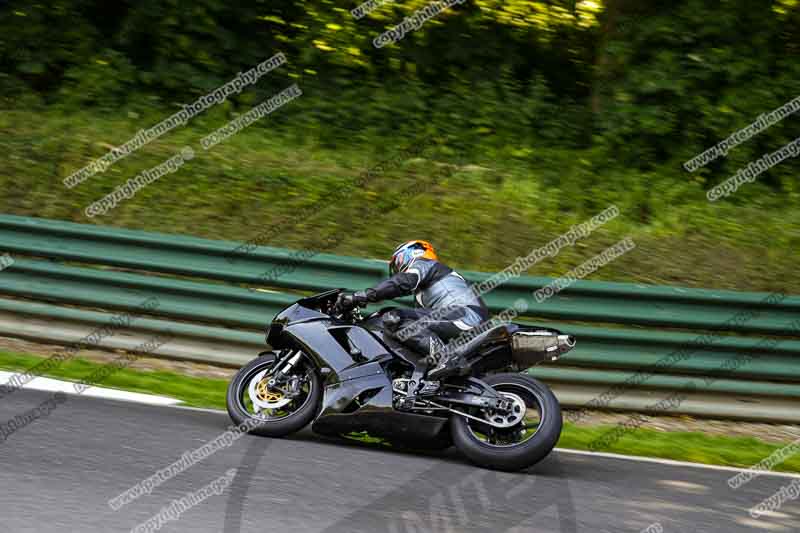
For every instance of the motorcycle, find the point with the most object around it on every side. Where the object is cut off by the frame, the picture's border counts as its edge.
(343, 374)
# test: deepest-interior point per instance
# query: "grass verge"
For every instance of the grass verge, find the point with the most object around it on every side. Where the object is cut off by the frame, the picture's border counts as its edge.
(193, 391)
(482, 214)
(696, 447)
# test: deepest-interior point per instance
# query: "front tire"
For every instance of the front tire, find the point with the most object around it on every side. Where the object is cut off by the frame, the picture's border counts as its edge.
(279, 422)
(521, 445)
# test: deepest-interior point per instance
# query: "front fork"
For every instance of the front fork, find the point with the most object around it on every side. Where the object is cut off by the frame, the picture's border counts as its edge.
(284, 364)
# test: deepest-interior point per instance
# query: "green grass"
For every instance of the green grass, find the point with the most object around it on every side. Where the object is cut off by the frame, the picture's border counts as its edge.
(693, 446)
(491, 210)
(193, 391)
(203, 392)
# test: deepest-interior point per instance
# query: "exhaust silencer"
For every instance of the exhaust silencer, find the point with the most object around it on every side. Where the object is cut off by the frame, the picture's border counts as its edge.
(531, 347)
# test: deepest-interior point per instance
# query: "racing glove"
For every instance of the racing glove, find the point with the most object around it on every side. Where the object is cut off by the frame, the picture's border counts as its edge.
(350, 300)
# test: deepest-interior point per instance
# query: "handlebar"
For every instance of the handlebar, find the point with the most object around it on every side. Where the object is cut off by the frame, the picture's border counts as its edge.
(353, 313)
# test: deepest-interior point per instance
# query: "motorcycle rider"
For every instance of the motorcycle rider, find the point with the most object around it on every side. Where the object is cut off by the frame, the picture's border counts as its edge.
(447, 305)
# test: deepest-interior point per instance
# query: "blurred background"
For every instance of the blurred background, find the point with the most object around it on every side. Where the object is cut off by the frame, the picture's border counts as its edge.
(542, 113)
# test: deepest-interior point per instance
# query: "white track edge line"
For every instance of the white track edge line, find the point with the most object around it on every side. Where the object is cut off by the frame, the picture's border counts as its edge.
(671, 462)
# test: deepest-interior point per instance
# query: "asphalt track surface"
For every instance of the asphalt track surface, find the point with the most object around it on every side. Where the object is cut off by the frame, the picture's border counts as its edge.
(58, 473)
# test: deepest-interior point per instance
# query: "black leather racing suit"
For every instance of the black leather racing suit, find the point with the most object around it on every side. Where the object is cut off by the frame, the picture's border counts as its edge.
(447, 306)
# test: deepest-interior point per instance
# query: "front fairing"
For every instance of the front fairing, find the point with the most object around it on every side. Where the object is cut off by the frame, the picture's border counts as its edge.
(297, 313)
(317, 306)
(311, 308)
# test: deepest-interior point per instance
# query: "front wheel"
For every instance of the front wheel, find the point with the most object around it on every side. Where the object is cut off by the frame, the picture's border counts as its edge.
(282, 409)
(527, 433)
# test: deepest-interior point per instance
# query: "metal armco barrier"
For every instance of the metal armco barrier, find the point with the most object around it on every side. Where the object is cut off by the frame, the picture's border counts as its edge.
(74, 275)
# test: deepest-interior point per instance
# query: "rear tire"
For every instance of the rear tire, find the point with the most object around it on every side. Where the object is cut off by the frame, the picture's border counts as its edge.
(505, 456)
(280, 427)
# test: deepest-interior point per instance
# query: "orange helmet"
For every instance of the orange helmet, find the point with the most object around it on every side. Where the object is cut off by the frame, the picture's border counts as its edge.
(407, 253)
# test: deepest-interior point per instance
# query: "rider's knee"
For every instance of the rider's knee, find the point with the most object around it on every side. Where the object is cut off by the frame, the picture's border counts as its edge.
(392, 321)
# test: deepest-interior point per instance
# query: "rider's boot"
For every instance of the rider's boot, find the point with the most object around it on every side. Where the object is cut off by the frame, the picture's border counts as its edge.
(448, 365)
(444, 362)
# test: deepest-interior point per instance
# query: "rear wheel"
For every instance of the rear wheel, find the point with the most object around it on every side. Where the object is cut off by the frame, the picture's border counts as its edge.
(518, 438)
(281, 408)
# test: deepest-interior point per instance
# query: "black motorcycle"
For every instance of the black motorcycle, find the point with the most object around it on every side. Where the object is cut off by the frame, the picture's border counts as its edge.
(342, 372)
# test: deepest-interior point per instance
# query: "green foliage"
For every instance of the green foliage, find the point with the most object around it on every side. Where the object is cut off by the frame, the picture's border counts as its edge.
(551, 113)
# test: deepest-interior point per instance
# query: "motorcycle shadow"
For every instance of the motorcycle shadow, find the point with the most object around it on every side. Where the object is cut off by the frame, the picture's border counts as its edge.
(549, 467)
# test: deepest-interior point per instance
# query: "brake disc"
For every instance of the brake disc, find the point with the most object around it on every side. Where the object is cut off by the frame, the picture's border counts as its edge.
(262, 396)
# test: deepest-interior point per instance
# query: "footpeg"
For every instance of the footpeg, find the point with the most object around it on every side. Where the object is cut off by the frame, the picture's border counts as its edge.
(405, 404)
(429, 387)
